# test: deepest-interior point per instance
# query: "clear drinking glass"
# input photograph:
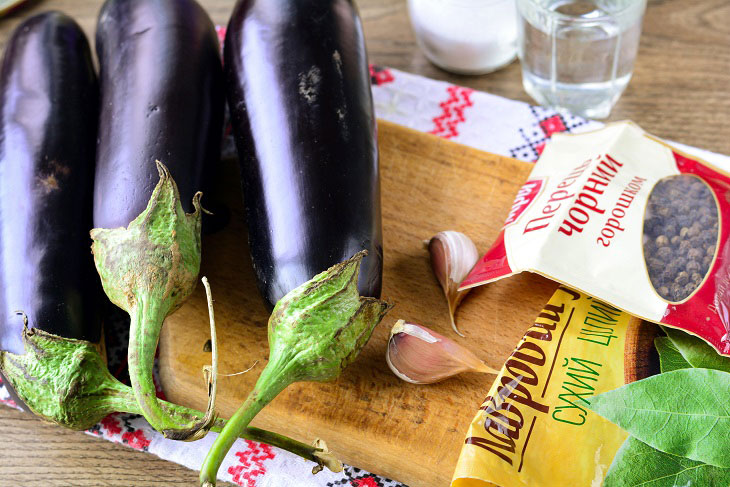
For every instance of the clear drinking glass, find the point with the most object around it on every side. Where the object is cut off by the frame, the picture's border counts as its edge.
(466, 36)
(578, 55)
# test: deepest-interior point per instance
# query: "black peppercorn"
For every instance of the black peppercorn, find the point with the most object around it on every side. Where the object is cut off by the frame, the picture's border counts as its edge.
(672, 268)
(710, 237)
(670, 230)
(694, 230)
(662, 241)
(694, 254)
(684, 220)
(688, 289)
(681, 262)
(664, 253)
(696, 242)
(682, 278)
(674, 291)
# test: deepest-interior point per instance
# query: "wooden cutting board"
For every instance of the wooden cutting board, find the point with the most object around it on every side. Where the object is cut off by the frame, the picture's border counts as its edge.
(368, 417)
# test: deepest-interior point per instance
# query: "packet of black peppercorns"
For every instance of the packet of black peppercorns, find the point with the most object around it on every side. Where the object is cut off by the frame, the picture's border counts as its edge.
(628, 219)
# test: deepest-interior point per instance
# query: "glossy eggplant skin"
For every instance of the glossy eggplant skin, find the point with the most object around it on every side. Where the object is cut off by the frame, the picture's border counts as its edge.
(162, 98)
(298, 88)
(48, 123)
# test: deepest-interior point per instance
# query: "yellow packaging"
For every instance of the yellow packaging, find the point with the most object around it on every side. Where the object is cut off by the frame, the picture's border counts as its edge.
(534, 429)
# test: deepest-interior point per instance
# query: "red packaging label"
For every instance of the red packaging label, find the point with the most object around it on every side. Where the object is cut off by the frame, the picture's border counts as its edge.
(525, 196)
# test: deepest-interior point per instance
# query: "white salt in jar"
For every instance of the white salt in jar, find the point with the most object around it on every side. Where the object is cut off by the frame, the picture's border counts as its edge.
(466, 36)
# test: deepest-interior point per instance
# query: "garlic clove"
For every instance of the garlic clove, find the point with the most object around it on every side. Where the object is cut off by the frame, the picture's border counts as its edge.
(453, 255)
(419, 355)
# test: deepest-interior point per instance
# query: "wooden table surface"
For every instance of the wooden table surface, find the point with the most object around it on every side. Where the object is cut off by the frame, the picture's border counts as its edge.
(680, 91)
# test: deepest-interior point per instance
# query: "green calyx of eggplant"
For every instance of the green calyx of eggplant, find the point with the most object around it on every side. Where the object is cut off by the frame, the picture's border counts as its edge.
(319, 328)
(66, 382)
(62, 380)
(148, 269)
(315, 331)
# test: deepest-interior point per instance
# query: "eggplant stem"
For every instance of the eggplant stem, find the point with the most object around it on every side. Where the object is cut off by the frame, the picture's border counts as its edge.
(125, 402)
(273, 379)
(147, 318)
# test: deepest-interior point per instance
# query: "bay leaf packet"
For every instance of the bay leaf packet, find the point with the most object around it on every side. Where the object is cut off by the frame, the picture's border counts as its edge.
(534, 427)
(628, 219)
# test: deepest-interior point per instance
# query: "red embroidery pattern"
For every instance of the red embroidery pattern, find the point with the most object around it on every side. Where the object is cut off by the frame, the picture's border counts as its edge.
(365, 482)
(136, 439)
(9, 402)
(552, 124)
(111, 425)
(380, 76)
(545, 122)
(452, 113)
(540, 148)
(252, 463)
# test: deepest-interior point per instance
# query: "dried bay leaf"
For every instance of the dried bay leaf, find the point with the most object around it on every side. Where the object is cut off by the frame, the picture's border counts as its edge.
(698, 353)
(670, 358)
(683, 412)
(638, 464)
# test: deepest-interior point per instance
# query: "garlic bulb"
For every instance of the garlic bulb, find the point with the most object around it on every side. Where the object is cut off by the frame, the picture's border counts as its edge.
(453, 255)
(422, 356)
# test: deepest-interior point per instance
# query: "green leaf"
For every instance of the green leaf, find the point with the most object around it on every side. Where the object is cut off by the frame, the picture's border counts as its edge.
(696, 351)
(637, 464)
(670, 358)
(684, 412)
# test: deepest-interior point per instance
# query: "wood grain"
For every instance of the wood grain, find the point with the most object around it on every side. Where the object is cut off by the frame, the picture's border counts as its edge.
(368, 416)
(680, 91)
(36, 454)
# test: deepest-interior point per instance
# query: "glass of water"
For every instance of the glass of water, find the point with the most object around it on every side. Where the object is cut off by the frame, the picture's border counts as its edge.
(578, 55)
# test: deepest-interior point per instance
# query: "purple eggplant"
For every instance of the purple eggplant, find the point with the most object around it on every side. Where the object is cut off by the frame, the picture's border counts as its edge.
(48, 123)
(162, 99)
(161, 113)
(298, 88)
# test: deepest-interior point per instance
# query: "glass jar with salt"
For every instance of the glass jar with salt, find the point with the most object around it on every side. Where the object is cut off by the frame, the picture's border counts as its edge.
(466, 36)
